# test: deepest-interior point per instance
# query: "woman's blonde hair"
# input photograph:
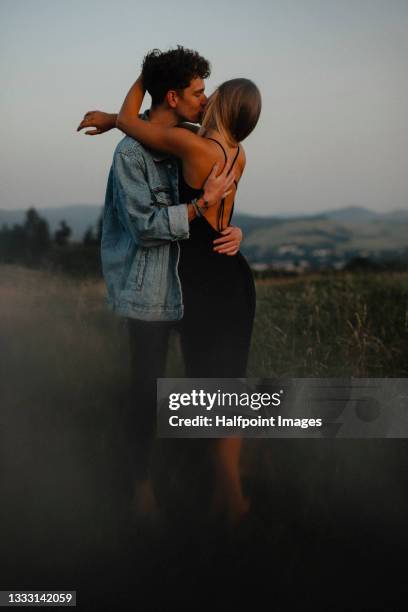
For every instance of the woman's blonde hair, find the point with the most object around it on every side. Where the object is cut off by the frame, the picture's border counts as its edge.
(233, 110)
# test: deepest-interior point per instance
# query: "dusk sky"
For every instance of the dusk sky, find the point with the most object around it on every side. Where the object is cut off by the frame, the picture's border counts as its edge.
(333, 76)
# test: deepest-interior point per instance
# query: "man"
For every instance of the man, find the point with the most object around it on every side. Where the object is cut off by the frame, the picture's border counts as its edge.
(142, 223)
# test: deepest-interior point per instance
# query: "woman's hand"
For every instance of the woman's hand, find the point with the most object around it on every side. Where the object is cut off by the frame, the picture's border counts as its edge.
(218, 187)
(102, 122)
(230, 242)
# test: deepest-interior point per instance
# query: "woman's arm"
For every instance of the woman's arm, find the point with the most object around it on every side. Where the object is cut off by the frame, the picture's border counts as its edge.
(102, 122)
(169, 139)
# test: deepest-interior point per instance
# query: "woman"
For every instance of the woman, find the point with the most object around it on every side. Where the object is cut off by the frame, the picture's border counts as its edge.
(218, 291)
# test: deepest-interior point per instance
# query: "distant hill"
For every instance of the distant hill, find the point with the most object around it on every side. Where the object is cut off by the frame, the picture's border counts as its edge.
(351, 229)
(358, 214)
(374, 236)
(355, 214)
(396, 216)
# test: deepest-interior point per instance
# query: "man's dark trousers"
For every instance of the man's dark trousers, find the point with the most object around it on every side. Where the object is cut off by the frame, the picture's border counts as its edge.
(149, 342)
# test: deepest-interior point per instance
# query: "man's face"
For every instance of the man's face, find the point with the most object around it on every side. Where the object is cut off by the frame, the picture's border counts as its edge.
(191, 102)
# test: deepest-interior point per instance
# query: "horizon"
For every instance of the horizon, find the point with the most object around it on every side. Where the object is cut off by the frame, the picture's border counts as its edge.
(260, 215)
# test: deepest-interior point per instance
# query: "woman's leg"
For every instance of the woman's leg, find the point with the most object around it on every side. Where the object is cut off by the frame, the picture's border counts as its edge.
(228, 496)
(213, 351)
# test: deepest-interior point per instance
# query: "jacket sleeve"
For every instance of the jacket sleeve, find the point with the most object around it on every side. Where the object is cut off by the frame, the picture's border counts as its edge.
(149, 224)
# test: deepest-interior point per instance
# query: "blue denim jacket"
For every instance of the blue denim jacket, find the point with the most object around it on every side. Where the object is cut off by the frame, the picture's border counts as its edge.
(142, 222)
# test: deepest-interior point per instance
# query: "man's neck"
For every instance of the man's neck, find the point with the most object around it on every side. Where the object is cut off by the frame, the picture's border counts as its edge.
(163, 116)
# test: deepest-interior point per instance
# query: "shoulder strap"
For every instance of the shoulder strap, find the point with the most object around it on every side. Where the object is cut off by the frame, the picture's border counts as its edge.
(225, 154)
(235, 159)
(221, 209)
(236, 186)
(223, 150)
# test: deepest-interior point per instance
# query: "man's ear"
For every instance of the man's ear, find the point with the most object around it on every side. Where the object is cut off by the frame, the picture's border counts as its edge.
(172, 98)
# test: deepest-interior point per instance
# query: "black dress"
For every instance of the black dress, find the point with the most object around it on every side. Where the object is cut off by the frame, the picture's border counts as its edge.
(219, 300)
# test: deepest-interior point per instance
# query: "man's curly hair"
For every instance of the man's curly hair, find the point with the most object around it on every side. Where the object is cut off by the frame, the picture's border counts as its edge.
(173, 69)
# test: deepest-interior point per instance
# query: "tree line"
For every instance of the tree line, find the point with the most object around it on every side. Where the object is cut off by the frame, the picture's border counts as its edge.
(33, 244)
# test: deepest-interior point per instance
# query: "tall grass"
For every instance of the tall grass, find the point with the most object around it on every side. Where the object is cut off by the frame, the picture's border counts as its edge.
(338, 326)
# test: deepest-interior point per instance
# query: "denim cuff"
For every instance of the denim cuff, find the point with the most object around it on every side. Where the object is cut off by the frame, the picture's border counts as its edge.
(178, 221)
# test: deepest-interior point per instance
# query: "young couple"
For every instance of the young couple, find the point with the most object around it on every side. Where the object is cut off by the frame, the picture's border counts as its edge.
(169, 254)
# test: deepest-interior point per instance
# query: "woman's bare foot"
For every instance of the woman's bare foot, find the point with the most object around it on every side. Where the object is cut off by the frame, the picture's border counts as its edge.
(228, 498)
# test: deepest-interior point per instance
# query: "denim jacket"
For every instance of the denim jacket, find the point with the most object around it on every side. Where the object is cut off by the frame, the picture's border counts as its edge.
(142, 222)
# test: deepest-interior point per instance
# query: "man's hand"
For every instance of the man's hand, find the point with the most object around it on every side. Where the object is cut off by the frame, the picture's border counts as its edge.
(218, 187)
(230, 242)
(102, 122)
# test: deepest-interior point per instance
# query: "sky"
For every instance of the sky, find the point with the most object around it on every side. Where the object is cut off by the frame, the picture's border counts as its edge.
(333, 130)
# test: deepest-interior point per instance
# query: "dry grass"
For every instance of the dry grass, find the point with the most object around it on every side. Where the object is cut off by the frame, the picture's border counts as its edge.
(339, 326)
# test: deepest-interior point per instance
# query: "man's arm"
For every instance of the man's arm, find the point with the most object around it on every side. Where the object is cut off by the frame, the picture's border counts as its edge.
(151, 224)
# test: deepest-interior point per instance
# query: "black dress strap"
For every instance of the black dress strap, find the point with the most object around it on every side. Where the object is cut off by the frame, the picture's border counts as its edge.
(235, 159)
(223, 150)
(221, 208)
(225, 154)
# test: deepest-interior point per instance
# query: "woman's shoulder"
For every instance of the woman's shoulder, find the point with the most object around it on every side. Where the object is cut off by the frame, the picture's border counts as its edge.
(199, 159)
(205, 152)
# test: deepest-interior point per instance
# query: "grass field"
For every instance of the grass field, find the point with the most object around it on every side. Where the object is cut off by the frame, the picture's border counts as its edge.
(64, 377)
(339, 326)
